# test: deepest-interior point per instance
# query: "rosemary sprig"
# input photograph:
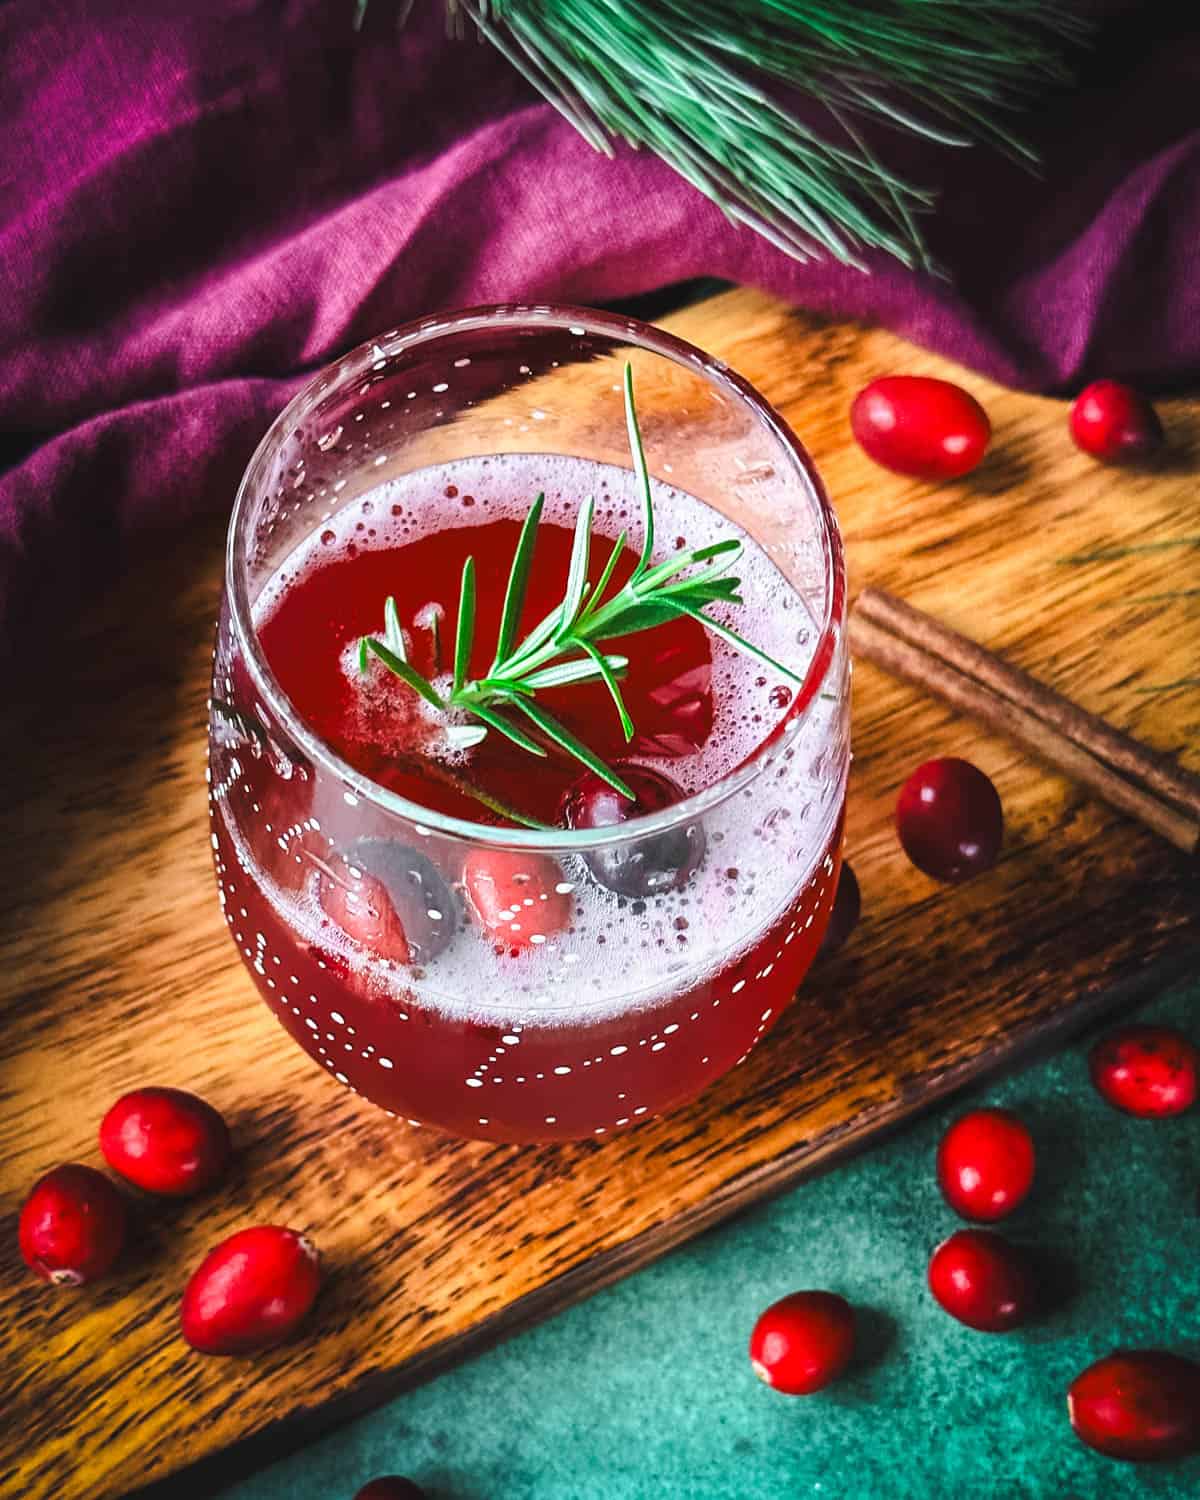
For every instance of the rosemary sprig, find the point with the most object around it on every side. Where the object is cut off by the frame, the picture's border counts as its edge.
(568, 645)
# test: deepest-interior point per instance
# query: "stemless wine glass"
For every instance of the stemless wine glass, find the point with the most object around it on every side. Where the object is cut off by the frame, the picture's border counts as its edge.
(635, 1005)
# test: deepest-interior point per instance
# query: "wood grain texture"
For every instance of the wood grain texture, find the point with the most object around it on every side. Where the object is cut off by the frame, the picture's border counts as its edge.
(117, 972)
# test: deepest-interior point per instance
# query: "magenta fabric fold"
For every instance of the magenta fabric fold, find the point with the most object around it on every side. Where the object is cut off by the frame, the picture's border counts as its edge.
(202, 203)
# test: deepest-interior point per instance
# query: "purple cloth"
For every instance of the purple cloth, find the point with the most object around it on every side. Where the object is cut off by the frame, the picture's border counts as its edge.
(203, 202)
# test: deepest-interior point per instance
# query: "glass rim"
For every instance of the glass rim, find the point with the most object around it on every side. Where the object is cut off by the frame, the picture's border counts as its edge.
(622, 329)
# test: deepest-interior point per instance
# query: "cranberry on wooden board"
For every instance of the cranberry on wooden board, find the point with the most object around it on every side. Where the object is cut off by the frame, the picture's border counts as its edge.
(165, 1141)
(72, 1225)
(985, 1164)
(1115, 423)
(803, 1342)
(651, 866)
(949, 819)
(1138, 1404)
(390, 1487)
(917, 425)
(982, 1280)
(847, 908)
(520, 899)
(251, 1292)
(1148, 1071)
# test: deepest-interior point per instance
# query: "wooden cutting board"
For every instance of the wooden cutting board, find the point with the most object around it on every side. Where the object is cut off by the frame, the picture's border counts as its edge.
(116, 970)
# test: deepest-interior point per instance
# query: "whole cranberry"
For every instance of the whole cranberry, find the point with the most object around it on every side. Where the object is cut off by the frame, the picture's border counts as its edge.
(72, 1225)
(847, 908)
(949, 819)
(1138, 1404)
(917, 425)
(803, 1342)
(520, 899)
(982, 1280)
(165, 1141)
(1148, 1071)
(985, 1164)
(390, 899)
(1115, 423)
(251, 1292)
(390, 1487)
(650, 866)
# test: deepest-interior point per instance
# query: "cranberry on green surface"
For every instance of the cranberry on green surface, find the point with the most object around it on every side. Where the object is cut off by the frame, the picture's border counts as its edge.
(982, 1280)
(1138, 1404)
(985, 1164)
(803, 1342)
(1148, 1071)
(390, 1487)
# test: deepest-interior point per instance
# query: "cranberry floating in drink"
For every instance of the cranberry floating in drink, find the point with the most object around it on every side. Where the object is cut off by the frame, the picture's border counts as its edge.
(529, 739)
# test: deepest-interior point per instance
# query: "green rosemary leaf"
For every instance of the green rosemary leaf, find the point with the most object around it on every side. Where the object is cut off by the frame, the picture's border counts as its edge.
(363, 657)
(465, 634)
(730, 548)
(393, 635)
(533, 642)
(509, 731)
(578, 569)
(736, 641)
(632, 615)
(598, 592)
(643, 477)
(405, 673)
(607, 666)
(518, 582)
(593, 665)
(494, 685)
(562, 736)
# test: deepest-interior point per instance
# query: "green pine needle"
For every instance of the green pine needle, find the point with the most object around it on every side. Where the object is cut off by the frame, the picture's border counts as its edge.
(698, 81)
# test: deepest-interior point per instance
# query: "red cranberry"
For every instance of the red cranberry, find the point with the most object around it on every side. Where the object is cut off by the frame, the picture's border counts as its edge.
(519, 899)
(389, 898)
(251, 1292)
(1138, 1404)
(914, 424)
(985, 1164)
(949, 819)
(803, 1342)
(847, 907)
(1148, 1071)
(1115, 423)
(651, 866)
(72, 1227)
(982, 1280)
(390, 1487)
(165, 1141)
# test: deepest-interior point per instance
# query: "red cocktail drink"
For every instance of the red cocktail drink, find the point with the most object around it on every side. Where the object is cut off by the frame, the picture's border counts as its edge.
(453, 928)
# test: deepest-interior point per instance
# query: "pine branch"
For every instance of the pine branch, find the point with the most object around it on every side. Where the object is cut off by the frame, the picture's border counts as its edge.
(697, 81)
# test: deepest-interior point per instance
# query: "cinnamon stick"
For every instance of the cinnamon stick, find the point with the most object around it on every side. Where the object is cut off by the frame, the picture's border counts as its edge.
(917, 663)
(1121, 751)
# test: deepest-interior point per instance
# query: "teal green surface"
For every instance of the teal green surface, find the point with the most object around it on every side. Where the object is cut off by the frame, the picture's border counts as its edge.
(645, 1391)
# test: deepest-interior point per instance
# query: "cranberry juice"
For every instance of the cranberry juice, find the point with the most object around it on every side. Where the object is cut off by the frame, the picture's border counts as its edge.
(498, 991)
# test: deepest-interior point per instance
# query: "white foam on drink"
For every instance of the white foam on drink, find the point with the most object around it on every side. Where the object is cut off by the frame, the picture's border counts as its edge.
(764, 845)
